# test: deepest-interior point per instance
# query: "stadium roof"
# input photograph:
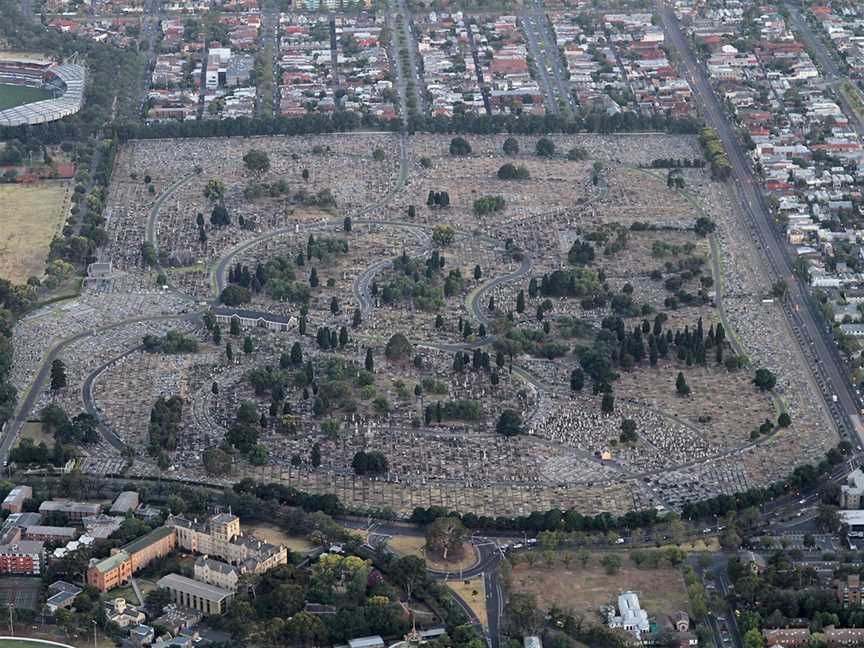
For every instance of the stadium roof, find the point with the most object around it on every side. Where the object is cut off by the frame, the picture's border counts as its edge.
(73, 77)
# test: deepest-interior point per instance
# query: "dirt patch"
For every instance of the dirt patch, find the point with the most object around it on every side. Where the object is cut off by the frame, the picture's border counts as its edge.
(275, 535)
(33, 430)
(570, 587)
(473, 592)
(32, 216)
(414, 546)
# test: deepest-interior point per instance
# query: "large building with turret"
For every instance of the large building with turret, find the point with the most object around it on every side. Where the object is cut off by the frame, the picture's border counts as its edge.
(220, 537)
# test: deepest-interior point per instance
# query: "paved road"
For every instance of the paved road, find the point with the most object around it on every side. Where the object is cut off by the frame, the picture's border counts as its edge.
(90, 401)
(490, 557)
(799, 308)
(415, 68)
(270, 36)
(553, 57)
(531, 21)
(825, 60)
(475, 55)
(13, 427)
(150, 33)
(396, 64)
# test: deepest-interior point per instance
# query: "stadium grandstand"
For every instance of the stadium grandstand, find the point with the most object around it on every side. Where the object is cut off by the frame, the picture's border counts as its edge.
(64, 81)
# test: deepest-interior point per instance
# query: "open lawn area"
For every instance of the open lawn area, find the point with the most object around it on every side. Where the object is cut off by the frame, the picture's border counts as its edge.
(473, 592)
(567, 585)
(413, 546)
(33, 430)
(275, 535)
(32, 216)
(27, 643)
(15, 95)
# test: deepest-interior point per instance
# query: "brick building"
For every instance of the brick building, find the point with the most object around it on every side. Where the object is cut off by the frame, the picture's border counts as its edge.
(118, 568)
(22, 557)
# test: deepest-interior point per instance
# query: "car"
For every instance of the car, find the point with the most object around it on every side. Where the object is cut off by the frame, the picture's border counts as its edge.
(619, 541)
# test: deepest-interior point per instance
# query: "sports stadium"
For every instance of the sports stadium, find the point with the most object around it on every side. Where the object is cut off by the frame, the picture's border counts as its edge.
(62, 85)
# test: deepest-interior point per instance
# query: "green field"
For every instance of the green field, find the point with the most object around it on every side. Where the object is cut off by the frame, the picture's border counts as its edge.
(13, 95)
(28, 643)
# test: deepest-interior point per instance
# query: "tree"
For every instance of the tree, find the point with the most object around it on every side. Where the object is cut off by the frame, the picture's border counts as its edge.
(704, 226)
(827, 518)
(305, 629)
(681, 385)
(459, 146)
(511, 146)
(148, 254)
(509, 423)
(784, 420)
(764, 379)
(220, 217)
(443, 235)
(216, 461)
(509, 171)
(408, 572)
(313, 278)
(753, 639)
(523, 614)
(334, 305)
(611, 563)
(235, 295)
(58, 375)
(257, 161)
(445, 536)
(581, 253)
(229, 351)
(577, 154)
(520, 302)
(628, 431)
(545, 147)
(369, 362)
(780, 289)
(730, 539)
(296, 354)
(607, 405)
(315, 455)
(577, 380)
(248, 345)
(346, 224)
(398, 347)
(357, 318)
(214, 192)
(378, 154)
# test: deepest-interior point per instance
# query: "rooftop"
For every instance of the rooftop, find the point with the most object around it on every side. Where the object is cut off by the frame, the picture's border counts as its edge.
(197, 588)
(155, 535)
(111, 562)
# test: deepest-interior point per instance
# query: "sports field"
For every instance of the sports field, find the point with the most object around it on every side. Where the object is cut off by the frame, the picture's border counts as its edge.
(15, 95)
(32, 216)
(29, 643)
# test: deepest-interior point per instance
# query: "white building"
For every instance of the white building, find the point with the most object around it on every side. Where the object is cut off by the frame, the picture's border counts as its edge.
(631, 617)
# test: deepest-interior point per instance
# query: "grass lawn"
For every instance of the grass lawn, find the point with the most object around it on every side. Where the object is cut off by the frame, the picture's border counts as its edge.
(27, 643)
(413, 546)
(570, 587)
(33, 430)
(275, 535)
(465, 589)
(32, 216)
(15, 95)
